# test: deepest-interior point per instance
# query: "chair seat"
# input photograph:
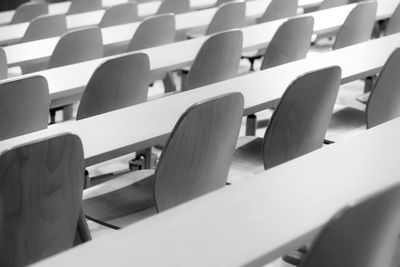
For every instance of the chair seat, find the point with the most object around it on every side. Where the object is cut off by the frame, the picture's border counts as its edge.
(247, 159)
(127, 194)
(256, 54)
(363, 98)
(345, 123)
(196, 33)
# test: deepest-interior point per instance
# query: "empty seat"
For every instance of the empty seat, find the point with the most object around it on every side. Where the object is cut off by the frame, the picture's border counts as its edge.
(217, 60)
(3, 64)
(195, 138)
(228, 16)
(117, 83)
(28, 11)
(77, 46)
(174, 6)
(332, 3)
(153, 31)
(393, 25)
(279, 9)
(45, 26)
(41, 197)
(80, 6)
(120, 14)
(24, 106)
(358, 25)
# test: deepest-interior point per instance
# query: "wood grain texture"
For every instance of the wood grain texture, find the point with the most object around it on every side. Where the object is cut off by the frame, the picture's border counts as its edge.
(24, 106)
(3, 64)
(299, 123)
(45, 26)
(228, 16)
(174, 6)
(154, 31)
(117, 83)
(332, 3)
(279, 9)
(291, 42)
(363, 235)
(393, 25)
(120, 14)
(217, 60)
(197, 157)
(40, 199)
(384, 101)
(80, 6)
(28, 11)
(358, 25)
(77, 46)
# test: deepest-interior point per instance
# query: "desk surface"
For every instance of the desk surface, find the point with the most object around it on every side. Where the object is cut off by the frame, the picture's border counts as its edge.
(325, 21)
(259, 219)
(113, 134)
(68, 82)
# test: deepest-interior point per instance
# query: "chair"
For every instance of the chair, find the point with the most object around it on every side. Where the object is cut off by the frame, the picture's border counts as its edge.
(384, 102)
(279, 9)
(220, 2)
(229, 16)
(358, 25)
(291, 42)
(217, 60)
(153, 31)
(393, 25)
(80, 6)
(3, 64)
(120, 14)
(77, 46)
(117, 83)
(41, 200)
(174, 6)
(45, 26)
(194, 162)
(332, 3)
(28, 11)
(362, 235)
(24, 106)
(297, 127)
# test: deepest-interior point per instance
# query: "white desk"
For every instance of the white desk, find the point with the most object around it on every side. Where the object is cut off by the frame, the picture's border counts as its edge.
(114, 134)
(325, 21)
(11, 34)
(66, 84)
(259, 219)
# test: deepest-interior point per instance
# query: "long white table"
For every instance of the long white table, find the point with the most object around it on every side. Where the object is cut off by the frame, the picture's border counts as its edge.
(11, 34)
(259, 219)
(115, 134)
(62, 8)
(66, 84)
(325, 21)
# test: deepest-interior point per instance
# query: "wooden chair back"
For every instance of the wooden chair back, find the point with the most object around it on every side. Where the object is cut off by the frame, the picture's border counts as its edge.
(358, 25)
(228, 16)
(24, 106)
(45, 26)
(299, 123)
(217, 60)
(41, 186)
(80, 6)
(120, 14)
(3, 64)
(198, 154)
(77, 46)
(153, 31)
(28, 11)
(362, 235)
(384, 101)
(117, 83)
(332, 3)
(291, 42)
(174, 7)
(279, 9)
(393, 25)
